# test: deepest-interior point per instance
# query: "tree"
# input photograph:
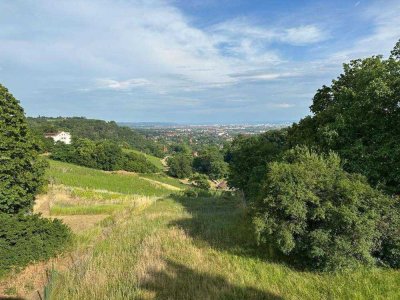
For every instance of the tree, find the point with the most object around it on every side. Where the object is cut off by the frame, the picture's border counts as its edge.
(323, 217)
(211, 162)
(21, 169)
(358, 116)
(248, 158)
(180, 165)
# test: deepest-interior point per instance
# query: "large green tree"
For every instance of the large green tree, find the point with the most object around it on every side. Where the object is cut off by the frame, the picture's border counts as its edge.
(358, 116)
(248, 157)
(180, 165)
(21, 169)
(211, 162)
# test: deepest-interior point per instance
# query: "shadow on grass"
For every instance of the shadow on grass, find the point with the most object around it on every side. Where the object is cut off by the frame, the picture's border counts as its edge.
(177, 281)
(222, 223)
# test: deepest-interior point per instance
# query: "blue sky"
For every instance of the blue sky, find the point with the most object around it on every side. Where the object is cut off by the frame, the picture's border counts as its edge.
(185, 61)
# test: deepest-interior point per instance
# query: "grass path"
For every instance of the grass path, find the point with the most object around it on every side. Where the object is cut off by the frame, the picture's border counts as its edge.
(202, 249)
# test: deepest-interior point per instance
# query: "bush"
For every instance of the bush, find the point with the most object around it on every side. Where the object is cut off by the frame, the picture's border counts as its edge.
(200, 181)
(322, 217)
(24, 239)
(191, 193)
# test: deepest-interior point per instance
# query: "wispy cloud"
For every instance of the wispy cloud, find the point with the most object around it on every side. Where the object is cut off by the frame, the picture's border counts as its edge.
(123, 85)
(155, 59)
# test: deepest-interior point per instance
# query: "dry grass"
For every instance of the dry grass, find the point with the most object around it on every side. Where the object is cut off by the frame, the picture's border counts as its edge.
(203, 249)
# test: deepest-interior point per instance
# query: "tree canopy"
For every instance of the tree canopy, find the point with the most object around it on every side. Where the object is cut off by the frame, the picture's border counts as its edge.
(358, 116)
(21, 169)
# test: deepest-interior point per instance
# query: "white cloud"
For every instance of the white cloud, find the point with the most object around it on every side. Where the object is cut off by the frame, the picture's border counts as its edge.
(303, 35)
(283, 105)
(123, 85)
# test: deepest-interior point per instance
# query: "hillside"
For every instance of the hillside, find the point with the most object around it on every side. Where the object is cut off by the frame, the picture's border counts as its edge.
(96, 130)
(179, 248)
(136, 239)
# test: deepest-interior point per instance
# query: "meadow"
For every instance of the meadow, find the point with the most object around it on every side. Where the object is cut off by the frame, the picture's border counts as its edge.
(180, 248)
(125, 183)
(129, 245)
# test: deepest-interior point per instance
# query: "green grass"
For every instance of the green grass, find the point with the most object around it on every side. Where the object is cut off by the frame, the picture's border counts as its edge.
(202, 249)
(153, 159)
(165, 179)
(76, 176)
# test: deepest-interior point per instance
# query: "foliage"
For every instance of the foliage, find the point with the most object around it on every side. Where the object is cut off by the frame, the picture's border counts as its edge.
(248, 158)
(24, 239)
(321, 216)
(135, 162)
(358, 116)
(21, 169)
(200, 181)
(180, 165)
(96, 130)
(102, 155)
(211, 162)
(156, 161)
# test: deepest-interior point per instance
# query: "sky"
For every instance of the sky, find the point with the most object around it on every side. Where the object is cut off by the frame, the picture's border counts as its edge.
(185, 61)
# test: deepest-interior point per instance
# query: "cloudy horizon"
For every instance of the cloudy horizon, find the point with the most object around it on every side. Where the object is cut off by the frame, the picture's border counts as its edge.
(184, 61)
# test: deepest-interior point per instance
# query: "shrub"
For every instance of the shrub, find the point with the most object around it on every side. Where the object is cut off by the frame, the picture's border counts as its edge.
(322, 217)
(191, 193)
(24, 239)
(200, 181)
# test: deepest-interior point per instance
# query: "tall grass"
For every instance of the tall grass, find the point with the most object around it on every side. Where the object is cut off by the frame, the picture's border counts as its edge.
(76, 176)
(203, 249)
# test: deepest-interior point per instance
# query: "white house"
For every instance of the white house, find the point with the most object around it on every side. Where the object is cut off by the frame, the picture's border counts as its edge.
(61, 136)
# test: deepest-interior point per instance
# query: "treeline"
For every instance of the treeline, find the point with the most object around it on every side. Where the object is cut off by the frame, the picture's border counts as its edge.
(103, 155)
(324, 193)
(24, 237)
(95, 130)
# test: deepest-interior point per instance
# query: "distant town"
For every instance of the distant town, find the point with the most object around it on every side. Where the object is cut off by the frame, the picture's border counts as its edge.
(198, 134)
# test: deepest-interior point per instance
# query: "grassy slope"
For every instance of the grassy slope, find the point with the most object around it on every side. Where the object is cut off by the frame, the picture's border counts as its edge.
(202, 249)
(153, 159)
(164, 179)
(76, 176)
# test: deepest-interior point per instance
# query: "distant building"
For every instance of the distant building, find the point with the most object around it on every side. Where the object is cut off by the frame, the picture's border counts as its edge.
(61, 136)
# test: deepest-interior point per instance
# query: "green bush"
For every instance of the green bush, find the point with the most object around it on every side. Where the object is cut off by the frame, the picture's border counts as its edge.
(200, 181)
(324, 218)
(24, 239)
